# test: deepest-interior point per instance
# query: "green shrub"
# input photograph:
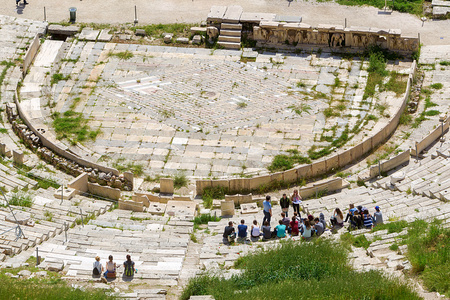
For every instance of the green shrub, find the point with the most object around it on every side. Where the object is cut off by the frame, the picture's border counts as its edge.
(179, 181)
(205, 218)
(444, 63)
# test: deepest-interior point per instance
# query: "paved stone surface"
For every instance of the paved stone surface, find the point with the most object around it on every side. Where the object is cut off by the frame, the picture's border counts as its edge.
(208, 113)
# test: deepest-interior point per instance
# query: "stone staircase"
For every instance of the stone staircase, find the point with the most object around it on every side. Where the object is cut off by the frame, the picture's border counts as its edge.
(47, 218)
(230, 36)
(157, 245)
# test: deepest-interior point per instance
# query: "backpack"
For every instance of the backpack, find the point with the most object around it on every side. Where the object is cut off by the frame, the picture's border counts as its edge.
(129, 270)
(95, 271)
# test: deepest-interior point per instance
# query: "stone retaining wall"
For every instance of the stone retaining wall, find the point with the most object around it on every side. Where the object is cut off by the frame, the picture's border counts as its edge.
(430, 138)
(338, 38)
(31, 54)
(241, 185)
(63, 160)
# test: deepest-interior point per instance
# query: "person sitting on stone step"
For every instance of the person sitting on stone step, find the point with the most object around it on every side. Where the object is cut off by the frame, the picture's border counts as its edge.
(229, 234)
(128, 266)
(98, 268)
(242, 231)
(367, 219)
(267, 234)
(318, 227)
(377, 216)
(281, 229)
(285, 221)
(294, 226)
(110, 268)
(255, 231)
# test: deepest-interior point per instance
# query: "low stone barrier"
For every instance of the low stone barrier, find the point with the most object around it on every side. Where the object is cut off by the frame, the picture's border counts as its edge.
(430, 138)
(389, 164)
(31, 54)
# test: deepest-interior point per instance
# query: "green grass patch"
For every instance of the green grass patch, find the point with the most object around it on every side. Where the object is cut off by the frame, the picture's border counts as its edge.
(392, 227)
(318, 267)
(136, 169)
(377, 72)
(205, 218)
(211, 193)
(49, 288)
(124, 55)
(357, 241)
(57, 77)
(178, 29)
(397, 83)
(283, 162)
(301, 108)
(72, 125)
(436, 86)
(429, 254)
(20, 199)
(407, 6)
(444, 63)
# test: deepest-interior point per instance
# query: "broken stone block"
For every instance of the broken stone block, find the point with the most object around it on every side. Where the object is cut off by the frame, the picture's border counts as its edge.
(182, 40)
(140, 32)
(197, 39)
(168, 37)
(212, 32)
(24, 273)
(166, 186)
(18, 157)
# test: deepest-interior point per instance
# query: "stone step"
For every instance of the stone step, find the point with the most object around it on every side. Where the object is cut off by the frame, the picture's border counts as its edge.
(230, 26)
(230, 45)
(225, 38)
(230, 32)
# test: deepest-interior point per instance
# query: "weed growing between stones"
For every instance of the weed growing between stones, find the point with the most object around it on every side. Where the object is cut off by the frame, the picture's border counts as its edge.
(20, 199)
(318, 268)
(124, 55)
(180, 180)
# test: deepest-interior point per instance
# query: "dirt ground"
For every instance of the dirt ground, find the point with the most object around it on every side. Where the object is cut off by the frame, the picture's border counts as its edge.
(192, 11)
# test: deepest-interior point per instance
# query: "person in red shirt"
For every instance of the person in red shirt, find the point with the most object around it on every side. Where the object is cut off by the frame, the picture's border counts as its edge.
(294, 226)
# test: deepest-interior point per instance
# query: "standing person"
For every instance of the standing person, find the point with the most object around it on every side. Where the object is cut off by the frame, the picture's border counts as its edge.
(296, 202)
(377, 216)
(284, 203)
(128, 266)
(229, 233)
(242, 231)
(24, 2)
(98, 268)
(267, 209)
(110, 268)
(294, 226)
